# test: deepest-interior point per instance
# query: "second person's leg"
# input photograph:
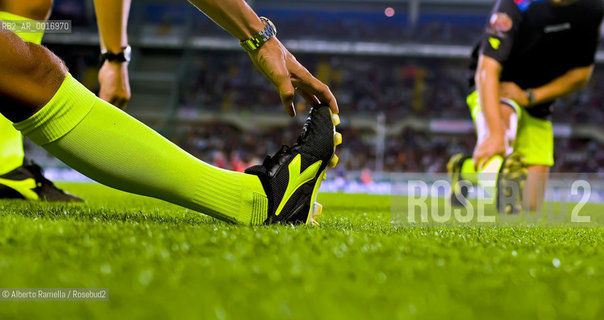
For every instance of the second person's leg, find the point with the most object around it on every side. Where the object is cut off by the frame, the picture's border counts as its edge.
(11, 140)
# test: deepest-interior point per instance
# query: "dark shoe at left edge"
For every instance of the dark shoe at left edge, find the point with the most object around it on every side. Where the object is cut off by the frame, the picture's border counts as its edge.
(28, 182)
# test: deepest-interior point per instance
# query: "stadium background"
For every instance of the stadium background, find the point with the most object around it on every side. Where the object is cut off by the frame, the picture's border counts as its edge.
(398, 68)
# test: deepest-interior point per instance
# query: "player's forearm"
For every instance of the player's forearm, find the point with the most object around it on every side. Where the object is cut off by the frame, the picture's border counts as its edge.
(487, 84)
(235, 16)
(112, 17)
(562, 86)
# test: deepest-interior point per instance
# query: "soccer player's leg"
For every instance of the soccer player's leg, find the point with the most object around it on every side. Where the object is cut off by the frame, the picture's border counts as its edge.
(534, 189)
(498, 171)
(11, 141)
(536, 142)
(11, 147)
(20, 180)
(106, 144)
(461, 167)
(511, 176)
(462, 175)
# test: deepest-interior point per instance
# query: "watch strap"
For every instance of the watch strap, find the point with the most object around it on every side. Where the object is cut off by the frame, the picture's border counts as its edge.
(122, 56)
(530, 94)
(255, 42)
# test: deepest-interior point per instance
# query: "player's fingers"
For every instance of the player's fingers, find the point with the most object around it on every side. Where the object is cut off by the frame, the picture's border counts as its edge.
(478, 159)
(483, 159)
(475, 158)
(122, 103)
(125, 99)
(317, 88)
(481, 163)
(104, 96)
(311, 99)
(327, 97)
(113, 100)
(287, 94)
(116, 100)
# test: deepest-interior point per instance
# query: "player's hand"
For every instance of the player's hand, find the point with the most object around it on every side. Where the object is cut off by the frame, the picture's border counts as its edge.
(491, 146)
(512, 91)
(115, 87)
(288, 76)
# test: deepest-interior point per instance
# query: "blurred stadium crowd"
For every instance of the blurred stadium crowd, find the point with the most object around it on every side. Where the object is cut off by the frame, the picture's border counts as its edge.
(410, 151)
(398, 87)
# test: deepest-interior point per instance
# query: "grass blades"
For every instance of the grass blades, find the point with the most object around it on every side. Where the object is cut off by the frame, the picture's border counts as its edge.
(162, 261)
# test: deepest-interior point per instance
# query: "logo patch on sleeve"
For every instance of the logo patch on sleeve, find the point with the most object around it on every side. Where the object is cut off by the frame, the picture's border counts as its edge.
(495, 43)
(501, 22)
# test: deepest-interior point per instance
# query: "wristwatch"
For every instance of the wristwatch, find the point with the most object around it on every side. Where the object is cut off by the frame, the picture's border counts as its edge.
(530, 94)
(123, 56)
(259, 39)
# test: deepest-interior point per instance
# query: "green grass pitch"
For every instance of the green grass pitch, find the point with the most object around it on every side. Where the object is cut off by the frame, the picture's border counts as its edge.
(161, 261)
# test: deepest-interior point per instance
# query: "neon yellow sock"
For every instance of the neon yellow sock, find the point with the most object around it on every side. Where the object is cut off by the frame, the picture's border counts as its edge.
(111, 147)
(11, 146)
(11, 140)
(468, 172)
(485, 177)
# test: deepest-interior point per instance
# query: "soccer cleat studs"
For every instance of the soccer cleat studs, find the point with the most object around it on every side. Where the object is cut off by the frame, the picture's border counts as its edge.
(337, 139)
(335, 119)
(333, 162)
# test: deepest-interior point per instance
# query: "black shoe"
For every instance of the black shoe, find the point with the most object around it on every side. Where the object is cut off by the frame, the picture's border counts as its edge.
(459, 186)
(510, 183)
(28, 182)
(291, 178)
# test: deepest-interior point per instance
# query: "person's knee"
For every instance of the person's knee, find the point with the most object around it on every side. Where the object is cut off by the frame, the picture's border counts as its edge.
(44, 67)
(33, 75)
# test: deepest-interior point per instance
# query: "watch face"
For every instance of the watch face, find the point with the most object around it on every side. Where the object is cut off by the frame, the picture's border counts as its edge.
(123, 56)
(127, 53)
(274, 31)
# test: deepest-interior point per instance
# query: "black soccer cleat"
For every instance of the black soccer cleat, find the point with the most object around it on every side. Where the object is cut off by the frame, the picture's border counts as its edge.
(510, 183)
(28, 182)
(292, 177)
(459, 186)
